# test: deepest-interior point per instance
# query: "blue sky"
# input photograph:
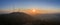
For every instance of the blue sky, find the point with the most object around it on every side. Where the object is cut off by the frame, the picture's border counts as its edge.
(45, 4)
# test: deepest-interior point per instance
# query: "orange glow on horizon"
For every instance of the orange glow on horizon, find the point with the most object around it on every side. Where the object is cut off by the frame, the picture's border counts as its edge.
(37, 11)
(33, 11)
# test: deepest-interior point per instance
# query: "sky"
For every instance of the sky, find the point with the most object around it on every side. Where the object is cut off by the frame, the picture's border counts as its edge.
(30, 4)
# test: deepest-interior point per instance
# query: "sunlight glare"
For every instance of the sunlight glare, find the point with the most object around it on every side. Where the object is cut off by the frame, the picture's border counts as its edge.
(34, 10)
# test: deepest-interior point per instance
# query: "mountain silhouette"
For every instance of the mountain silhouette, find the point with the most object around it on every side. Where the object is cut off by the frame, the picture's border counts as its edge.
(21, 18)
(15, 18)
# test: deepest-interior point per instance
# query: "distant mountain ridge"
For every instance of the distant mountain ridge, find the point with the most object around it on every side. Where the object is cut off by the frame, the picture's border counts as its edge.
(15, 18)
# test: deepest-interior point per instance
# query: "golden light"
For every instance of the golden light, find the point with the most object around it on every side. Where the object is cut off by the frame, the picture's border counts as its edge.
(33, 10)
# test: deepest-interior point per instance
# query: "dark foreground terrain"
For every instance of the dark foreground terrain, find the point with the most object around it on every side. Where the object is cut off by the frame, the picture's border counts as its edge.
(20, 18)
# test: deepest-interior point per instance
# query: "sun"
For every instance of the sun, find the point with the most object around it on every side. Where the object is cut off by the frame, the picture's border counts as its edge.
(33, 10)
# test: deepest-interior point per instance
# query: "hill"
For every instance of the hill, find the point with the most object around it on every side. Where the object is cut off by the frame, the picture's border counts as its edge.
(15, 18)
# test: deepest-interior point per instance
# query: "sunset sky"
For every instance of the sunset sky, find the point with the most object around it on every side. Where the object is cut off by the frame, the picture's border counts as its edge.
(40, 6)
